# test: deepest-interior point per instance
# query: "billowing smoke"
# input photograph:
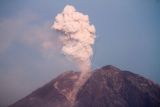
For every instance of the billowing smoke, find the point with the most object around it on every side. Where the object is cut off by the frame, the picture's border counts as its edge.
(78, 36)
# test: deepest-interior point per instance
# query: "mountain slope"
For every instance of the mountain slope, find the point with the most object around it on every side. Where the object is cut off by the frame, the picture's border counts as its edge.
(107, 87)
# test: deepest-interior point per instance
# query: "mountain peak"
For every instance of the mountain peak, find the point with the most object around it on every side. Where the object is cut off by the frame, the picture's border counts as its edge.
(110, 67)
(106, 87)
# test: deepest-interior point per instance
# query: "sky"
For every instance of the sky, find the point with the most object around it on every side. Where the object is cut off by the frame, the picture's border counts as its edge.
(127, 37)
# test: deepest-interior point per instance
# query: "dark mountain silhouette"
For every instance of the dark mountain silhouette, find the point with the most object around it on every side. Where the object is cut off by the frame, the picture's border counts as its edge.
(107, 87)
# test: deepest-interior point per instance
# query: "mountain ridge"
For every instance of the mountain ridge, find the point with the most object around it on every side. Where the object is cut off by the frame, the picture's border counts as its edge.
(108, 86)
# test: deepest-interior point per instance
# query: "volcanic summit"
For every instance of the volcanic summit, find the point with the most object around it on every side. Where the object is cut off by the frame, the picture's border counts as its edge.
(106, 87)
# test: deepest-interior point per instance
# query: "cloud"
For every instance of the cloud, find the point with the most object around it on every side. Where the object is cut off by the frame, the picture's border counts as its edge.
(30, 30)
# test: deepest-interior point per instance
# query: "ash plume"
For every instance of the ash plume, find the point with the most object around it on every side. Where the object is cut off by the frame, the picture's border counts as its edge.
(78, 36)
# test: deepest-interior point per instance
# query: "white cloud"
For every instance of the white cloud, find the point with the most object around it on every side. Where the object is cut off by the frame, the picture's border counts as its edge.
(27, 29)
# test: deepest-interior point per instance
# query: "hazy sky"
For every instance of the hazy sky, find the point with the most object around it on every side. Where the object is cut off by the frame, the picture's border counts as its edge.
(128, 35)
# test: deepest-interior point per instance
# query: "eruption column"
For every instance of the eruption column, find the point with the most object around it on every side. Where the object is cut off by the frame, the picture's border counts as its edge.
(78, 36)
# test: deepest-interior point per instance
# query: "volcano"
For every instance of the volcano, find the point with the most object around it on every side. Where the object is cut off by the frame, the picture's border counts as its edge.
(106, 87)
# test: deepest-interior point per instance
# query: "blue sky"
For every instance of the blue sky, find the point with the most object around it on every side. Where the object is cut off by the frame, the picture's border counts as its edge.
(128, 35)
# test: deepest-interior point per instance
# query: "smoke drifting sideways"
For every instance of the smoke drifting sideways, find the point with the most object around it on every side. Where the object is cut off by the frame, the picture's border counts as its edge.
(78, 36)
